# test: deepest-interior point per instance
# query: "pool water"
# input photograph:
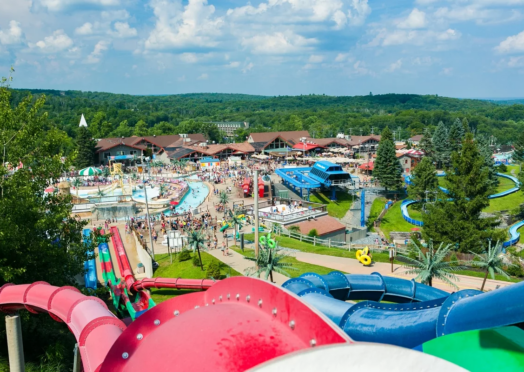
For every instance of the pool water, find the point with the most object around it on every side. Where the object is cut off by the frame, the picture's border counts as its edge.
(138, 194)
(196, 195)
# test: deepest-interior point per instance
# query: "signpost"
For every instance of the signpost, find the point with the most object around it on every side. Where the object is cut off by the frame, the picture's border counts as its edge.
(391, 256)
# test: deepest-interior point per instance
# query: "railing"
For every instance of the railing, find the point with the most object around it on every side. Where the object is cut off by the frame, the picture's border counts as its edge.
(338, 244)
(292, 216)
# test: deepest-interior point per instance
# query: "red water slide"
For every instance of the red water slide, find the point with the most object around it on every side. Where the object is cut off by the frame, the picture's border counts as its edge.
(260, 187)
(123, 262)
(246, 186)
(95, 328)
(178, 283)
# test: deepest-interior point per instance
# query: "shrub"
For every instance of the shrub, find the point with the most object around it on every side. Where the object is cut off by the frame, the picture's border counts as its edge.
(312, 233)
(294, 229)
(502, 167)
(213, 270)
(184, 255)
(196, 260)
(454, 260)
(515, 270)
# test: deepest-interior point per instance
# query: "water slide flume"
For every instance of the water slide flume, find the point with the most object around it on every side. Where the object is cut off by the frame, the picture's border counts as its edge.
(95, 328)
(420, 314)
(90, 279)
(514, 234)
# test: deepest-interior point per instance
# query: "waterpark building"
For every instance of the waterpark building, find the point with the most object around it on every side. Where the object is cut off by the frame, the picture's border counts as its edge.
(229, 127)
(327, 227)
(126, 149)
(409, 159)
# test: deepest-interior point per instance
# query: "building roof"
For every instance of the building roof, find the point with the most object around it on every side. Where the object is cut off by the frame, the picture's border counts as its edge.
(416, 138)
(291, 136)
(324, 225)
(178, 152)
(328, 141)
(356, 140)
(108, 143)
(306, 146)
(166, 141)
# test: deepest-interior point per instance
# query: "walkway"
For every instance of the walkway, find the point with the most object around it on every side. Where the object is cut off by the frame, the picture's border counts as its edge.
(354, 267)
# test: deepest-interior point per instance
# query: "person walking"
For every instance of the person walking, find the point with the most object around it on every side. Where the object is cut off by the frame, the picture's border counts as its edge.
(223, 249)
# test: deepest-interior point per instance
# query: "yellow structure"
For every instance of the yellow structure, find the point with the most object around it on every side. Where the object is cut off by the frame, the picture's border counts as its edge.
(363, 256)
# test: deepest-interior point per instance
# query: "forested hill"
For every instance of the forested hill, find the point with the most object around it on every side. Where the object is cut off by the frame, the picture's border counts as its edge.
(121, 115)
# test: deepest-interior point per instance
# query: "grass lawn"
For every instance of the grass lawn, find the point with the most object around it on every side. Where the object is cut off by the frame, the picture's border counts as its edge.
(393, 220)
(184, 270)
(377, 207)
(336, 208)
(479, 274)
(319, 249)
(301, 267)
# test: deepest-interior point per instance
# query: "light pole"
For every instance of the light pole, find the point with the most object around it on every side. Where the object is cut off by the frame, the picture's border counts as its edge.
(147, 213)
(256, 216)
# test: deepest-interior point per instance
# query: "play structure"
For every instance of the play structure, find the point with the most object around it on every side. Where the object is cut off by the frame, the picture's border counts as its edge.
(248, 187)
(241, 323)
(323, 174)
(514, 234)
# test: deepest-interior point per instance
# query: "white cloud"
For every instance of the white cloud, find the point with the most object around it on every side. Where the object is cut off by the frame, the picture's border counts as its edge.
(85, 29)
(115, 15)
(361, 10)
(57, 42)
(416, 19)
(424, 61)
(122, 30)
(395, 66)
(415, 37)
(359, 68)
(233, 64)
(97, 52)
(189, 57)
(516, 62)
(315, 58)
(446, 71)
(248, 67)
(303, 11)
(343, 57)
(278, 43)
(194, 25)
(13, 35)
(56, 5)
(512, 44)
(203, 77)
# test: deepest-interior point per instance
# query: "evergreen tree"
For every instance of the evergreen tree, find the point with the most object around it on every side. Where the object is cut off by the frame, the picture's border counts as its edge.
(141, 129)
(487, 155)
(424, 181)
(426, 145)
(86, 148)
(387, 166)
(408, 145)
(455, 218)
(465, 126)
(456, 135)
(518, 153)
(441, 146)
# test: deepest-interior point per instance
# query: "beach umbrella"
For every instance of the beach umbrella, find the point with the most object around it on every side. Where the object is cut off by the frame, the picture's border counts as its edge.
(172, 202)
(50, 189)
(90, 171)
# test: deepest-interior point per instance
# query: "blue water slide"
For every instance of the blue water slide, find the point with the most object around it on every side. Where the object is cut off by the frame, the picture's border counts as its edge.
(297, 177)
(514, 235)
(420, 314)
(90, 264)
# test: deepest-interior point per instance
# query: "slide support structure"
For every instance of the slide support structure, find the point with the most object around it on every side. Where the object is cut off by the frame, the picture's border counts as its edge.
(13, 328)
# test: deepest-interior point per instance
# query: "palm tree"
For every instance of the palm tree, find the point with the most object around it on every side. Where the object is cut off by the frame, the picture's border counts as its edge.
(269, 260)
(196, 239)
(100, 193)
(432, 265)
(491, 261)
(162, 189)
(76, 184)
(106, 172)
(224, 198)
(236, 222)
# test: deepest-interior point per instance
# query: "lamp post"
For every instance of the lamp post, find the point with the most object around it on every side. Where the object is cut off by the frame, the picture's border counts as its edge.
(147, 213)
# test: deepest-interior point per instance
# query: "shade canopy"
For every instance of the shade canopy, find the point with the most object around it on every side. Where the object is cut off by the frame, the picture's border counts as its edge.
(90, 171)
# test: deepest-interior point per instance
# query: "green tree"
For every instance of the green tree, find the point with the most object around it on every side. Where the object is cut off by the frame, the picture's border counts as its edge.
(387, 169)
(86, 149)
(76, 184)
(141, 129)
(491, 262)
(223, 198)
(269, 260)
(196, 239)
(518, 153)
(441, 146)
(236, 222)
(432, 265)
(426, 145)
(424, 183)
(40, 239)
(123, 130)
(487, 155)
(456, 135)
(455, 217)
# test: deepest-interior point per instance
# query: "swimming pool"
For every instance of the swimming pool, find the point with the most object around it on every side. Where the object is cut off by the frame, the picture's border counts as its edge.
(196, 195)
(138, 194)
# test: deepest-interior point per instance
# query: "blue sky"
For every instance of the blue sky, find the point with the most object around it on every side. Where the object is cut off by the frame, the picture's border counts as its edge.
(457, 48)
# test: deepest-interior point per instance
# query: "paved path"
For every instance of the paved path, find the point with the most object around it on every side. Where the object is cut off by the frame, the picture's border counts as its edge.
(354, 267)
